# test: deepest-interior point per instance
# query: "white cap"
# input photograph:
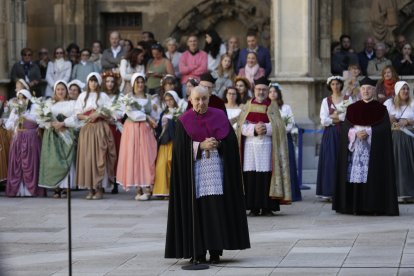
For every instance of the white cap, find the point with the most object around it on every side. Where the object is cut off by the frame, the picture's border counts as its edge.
(22, 81)
(25, 93)
(80, 84)
(96, 75)
(398, 85)
(135, 76)
(62, 82)
(174, 95)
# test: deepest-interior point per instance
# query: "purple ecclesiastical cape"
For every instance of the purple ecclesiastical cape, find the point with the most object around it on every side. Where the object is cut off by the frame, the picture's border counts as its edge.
(213, 123)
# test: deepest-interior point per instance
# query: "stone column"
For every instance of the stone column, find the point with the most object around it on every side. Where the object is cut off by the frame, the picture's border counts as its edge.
(295, 45)
(13, 37)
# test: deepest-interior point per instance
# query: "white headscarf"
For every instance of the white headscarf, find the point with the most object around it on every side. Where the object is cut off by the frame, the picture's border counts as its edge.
(173, 94)
(96, 75)
(78, 83)
(22, 81)
(57, 82)
(398, 85)
(25, 93)
(135, 76)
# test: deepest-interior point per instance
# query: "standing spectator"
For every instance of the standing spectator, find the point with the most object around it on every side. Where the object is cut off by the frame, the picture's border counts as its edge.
(128, 46)
(262, 139)
(233, 51)
(157, 68)
(173, 55)
(96, 55)
(262, 53)
(378, 63)
(401, 112)
(366, 54)
(332, 114)
(42, 62)
(112, 57)
(340, 61)
(385, 86)
(403, 63)
(214, 48)
(26, 69)
(131, 64)
(224, 74)
(252, 71)
(84, 67)
(73, 52)
(58, 69)
(193, 62)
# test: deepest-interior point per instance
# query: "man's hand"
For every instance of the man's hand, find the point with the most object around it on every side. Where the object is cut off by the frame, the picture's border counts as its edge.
(209, 144)
(362, 135)
(260, 128)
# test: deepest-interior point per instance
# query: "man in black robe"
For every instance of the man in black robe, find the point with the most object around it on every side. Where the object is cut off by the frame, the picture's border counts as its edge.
(206, 179)
(366, 178)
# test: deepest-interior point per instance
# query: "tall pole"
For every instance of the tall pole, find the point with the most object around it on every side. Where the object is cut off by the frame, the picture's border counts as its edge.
(69, 230)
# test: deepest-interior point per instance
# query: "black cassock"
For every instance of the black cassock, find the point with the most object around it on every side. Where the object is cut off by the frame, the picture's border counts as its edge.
(221, 221)
(378, 196)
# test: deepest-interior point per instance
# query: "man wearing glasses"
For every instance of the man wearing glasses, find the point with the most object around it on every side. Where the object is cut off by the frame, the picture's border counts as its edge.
(25, 69)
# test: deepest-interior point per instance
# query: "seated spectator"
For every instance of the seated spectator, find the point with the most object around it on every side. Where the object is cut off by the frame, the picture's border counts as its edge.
(25, 69)
(224, 74)
(58, 69)
(173, 55)
(351, 82)
(157, 68)
(128, 46)
(42, 62)
(96, 55)
(233, 51)
(111, 57)
(73, 52)
(193, 62)
(340, 61)
(132, 63)
(366, 55)
(262, 53)
(243, 88)
(403, 63)
(385, 86)
(84, 67)
(399, 43)
(214, 48)
(376, 65)
(190, 84)
(252, 70)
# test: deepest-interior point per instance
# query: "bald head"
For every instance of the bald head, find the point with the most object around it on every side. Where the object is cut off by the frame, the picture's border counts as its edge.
(114, 38)
(199, 98)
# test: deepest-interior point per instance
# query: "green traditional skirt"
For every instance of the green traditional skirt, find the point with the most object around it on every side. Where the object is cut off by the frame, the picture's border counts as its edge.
(57, 155)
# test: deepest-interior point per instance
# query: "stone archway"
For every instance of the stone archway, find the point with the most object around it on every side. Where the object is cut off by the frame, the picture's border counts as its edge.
(228, 17)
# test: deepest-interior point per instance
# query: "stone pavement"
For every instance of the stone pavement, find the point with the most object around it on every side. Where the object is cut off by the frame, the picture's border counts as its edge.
(120, 236)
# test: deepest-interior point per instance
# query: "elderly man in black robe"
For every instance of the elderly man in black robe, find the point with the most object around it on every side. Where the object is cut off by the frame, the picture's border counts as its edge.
(366, 177)
(206, 207)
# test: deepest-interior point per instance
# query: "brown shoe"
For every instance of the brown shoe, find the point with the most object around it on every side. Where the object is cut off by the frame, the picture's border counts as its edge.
(98, 194)
(90, 194)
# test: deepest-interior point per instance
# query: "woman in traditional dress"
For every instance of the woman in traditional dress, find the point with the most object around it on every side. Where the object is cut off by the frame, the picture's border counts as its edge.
(138, 150)
(58, 145)
(4, 140)
(332, 114)
(275, 94)
(232, 101)
(165, 135)
(224, 75)
(385, 86)
(75, 89)
(24, 155)
(111, 88)
(401, 111)
(96, 148)
(243, 87)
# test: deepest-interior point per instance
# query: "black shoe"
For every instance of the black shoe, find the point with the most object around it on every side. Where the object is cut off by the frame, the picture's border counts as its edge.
(254, 213)
(267, 213)
(215, 259)
(115, 189)
(199, 260)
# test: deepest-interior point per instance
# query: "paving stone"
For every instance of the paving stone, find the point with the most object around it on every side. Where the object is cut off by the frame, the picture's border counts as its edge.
(368, 271)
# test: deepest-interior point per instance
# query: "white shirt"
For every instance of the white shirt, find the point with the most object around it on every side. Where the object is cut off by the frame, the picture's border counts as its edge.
(285, 113)
(405, 112)
(116, 50)
(324, 113)
(80, 107)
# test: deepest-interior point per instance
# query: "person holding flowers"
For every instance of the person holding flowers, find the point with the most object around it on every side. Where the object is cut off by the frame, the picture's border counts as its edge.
(96, 154)
(23, 170)
(165, 134)
(332, 114)
(58, 147)
(138, 149)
